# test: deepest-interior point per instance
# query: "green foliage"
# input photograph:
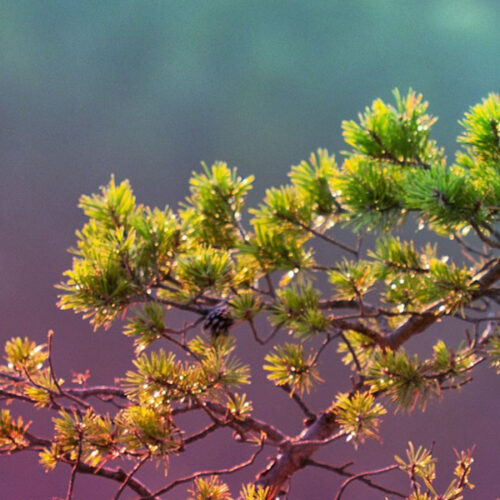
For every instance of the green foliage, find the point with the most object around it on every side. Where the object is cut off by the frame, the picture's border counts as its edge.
(289, 365)
(363, 347)
(399, 134)
(101, 281)
(445, 198)
(314, 182)
(372, 192)
(90, 436)
(390, 144)
(210, 488)
(204, 268)
(481, 135)
(395, 257)
(352, 279)
(157, 238)
(283, 208)
(297, 308)
(26, 358)
(94, 439)
(217, 362)
(400, 377)
(160, 379)
(43, 388)
(213, 211)
(144, 427)
(245, 305)
(12, 432)
(358, 416)
(419, 464)
(24, 355)
(479, 163)
(414, 279)
(493, 351)
(239, 406)
(146, 326)
(113, 207)
(252, 492)
(409, 383)
(274, 249)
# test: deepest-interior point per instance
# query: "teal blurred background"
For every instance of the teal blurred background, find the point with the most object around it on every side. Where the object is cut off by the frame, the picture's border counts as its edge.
(147, 89)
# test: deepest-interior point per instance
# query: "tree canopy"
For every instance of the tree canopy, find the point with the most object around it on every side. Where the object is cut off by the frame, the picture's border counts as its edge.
(217, 265)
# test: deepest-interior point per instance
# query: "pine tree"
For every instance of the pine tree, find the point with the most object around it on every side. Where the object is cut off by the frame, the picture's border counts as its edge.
(141, 264)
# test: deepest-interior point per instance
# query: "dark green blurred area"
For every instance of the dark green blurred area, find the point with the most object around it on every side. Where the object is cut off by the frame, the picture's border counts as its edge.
(258, 84)
(148, 88)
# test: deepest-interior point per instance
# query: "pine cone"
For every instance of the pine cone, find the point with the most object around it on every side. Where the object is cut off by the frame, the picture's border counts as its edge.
(218, 320)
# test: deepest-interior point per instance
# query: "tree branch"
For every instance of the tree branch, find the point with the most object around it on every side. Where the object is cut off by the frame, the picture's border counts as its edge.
(375, 472)
(71, 484)
(114, 474)
(300, 403)
(213, 472)
(295, 457)
(133, 471)
(340, 470)
(417, 324)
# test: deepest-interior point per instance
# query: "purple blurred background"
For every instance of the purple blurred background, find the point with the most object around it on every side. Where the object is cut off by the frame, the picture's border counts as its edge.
(147, 90)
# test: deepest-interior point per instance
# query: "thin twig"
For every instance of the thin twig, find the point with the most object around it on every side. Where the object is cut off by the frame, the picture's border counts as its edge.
(469, 248)
(256, 334)
(387, 155)
(483, 237)
(324, 237)
(353, 354)
(375, 472)
(114, 474)
(77, 400)
(71, 484)
(183, 346)
(213, 472)
(98, 391)
(4, 394)
(270, 286)
(201, 434)
(137, 466)
(300, 402)
(318, 353)
(340, 470)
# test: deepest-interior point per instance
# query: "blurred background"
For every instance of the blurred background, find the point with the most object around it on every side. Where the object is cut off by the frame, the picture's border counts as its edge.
(147, 89)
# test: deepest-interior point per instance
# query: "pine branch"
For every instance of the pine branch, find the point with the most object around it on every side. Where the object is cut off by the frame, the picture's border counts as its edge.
(360, 328)
(418, 324)
(251, 424)
(287, 463)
